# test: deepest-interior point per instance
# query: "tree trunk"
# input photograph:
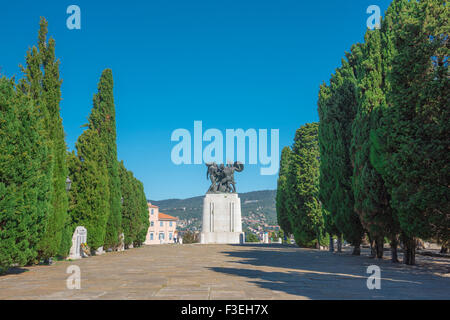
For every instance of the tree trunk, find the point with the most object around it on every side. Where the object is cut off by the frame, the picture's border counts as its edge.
(319, 240)
(379, 247)
(331, 244)
(339, 243)
(372, 247)
(357, 248)
(409, 253)
(444, 249)
(394, 244)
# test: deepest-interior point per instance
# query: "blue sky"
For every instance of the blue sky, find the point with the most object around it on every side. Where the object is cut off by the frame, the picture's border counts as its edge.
(231, 64)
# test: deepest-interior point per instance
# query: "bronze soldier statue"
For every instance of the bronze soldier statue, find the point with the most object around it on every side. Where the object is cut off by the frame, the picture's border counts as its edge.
(222, 177)
(212, 173)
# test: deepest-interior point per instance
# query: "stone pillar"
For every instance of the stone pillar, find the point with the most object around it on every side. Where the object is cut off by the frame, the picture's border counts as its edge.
(79, 237)
(222, 221)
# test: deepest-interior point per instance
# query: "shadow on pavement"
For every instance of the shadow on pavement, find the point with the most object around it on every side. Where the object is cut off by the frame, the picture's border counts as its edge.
(13, 270)
(322, 275)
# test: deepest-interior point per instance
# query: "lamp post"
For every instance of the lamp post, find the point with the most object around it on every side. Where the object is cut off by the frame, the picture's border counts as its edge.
(68, 183)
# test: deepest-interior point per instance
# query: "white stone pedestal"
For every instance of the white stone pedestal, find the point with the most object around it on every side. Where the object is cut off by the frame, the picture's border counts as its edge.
(222, 219)
(79, 237)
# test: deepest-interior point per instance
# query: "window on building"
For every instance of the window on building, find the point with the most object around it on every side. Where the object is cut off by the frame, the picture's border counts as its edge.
(170, 235)
(161, 236)
(152, 211)
(160, 223)
(170, 223)
(152, 223)
(151, 235)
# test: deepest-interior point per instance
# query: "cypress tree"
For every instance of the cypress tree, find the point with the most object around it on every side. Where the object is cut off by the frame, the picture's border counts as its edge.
(411, 150)
(89, 200)
(90, 203)
(372, 201)
(128, 207)
(337, 109)
(305, 211)
(327, 185)
(282, 192)
(135, 220)
(104, 120)
(24, 178)
(142, 209)
(43, 84)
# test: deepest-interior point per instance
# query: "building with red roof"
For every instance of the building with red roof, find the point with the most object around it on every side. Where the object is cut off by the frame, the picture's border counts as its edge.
(163, 227)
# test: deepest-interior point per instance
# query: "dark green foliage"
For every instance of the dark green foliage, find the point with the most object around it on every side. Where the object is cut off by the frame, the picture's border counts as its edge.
(128, 205)
(104, 121)
(282, 191)
(66, 239)
(24, 178)
(305, 211)
(410, 149)
(337, 109)
(43, 84)
(89, 195)
(135, 220)
(34, 165)
(396, 101)
(142, 213)
(130, 216)
(371, 196)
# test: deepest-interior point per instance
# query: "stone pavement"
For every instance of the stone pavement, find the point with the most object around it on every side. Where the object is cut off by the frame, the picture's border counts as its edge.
(229, 272)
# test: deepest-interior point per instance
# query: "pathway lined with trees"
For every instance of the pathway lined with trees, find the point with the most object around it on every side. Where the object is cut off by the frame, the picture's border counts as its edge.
(383, 136)
(38, 215)
(229, 272)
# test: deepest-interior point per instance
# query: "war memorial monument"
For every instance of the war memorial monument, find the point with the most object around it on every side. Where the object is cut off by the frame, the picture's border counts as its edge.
(222, 222)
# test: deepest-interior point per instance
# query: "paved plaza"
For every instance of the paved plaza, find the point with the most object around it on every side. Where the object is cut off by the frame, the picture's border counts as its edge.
(228, 272)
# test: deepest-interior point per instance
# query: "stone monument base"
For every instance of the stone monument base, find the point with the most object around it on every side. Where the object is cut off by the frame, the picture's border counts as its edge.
(222, 222)
(222, 237)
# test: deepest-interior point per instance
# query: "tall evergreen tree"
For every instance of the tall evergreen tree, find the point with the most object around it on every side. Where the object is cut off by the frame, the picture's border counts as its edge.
(89, 195)
(24, 177)
(327, 185)
(282, 192)
(305, 211)
(104, 121)
(91, 170)
(337, 109)
(43, 84)
(135, 220)
(372, 201)
(128, 207)
(411, 147)
(142, 209)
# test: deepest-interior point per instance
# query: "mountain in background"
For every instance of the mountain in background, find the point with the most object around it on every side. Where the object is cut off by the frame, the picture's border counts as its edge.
(258, 209)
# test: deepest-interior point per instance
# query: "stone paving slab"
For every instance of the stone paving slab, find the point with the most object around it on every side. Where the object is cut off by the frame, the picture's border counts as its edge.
(229, 272)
